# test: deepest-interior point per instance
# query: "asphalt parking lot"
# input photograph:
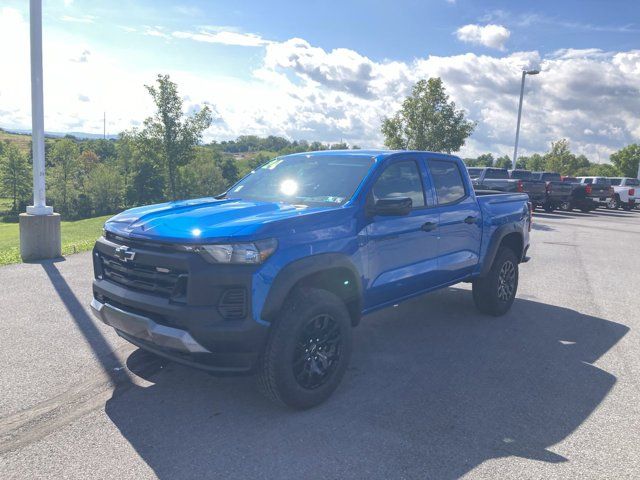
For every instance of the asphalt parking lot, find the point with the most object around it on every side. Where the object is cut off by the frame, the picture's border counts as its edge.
(435, 390)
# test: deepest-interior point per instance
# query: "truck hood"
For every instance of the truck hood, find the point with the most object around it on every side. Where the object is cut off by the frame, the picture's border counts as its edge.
(201, 220)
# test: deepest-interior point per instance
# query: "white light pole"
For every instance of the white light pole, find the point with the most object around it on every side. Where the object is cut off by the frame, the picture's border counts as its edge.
(39, 206)
(515, 148)
(39, 227)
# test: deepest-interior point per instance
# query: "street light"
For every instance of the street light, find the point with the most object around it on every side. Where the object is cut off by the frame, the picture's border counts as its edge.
(39, 226)
(515, 149)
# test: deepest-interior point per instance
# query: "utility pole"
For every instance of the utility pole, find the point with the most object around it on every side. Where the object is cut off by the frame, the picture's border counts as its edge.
(104, 125)
(515, 148)
(39, 226)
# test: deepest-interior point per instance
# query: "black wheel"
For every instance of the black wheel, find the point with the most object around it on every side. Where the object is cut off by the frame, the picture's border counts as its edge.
(308, 349)
(613, 203)
(585, 209)
(626, 208)
(548, 207)
(494, 294)
(566, 206)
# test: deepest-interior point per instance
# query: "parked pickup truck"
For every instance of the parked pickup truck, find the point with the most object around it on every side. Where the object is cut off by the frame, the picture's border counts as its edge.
(558, 192)
(502, 180)
(579, 196)
(625, 191)
(271, 276)
(536, 189)
(600, 191)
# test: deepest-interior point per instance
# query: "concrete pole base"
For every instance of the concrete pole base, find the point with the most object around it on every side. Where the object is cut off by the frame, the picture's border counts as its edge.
(40, 237)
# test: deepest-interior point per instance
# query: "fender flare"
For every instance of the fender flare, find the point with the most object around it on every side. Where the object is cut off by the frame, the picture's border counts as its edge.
(295, 271)
(492, 250)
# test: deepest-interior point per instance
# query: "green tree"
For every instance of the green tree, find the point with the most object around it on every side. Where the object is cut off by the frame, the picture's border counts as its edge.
(177, 134)
(230, 171)
(535, 163)
(15, 178)
(105, 189)
(201, 178)
(64, 174)
(485, 160)
(559, 158)
(504, 162)
(603, 170)
(427, 121)
(627, 159)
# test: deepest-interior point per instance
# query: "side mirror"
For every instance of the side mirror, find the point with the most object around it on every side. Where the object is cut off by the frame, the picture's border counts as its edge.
(394, 206)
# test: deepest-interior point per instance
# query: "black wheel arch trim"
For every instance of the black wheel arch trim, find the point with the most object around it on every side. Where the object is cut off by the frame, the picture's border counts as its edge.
(295, 271)
(494, 244)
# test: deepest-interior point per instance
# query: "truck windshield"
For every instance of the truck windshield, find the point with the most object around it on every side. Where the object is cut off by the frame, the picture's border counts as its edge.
(522, 174)
(305, 179)
(474, 172)
(496, 173)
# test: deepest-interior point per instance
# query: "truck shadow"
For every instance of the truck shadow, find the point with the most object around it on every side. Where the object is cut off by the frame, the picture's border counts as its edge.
(434, 390)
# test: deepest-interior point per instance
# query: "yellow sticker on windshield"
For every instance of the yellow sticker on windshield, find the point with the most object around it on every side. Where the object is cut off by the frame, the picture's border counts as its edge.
(273, 164)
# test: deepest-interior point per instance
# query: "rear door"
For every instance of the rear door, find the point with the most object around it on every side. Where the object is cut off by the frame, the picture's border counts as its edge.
(460, 222)
(402, 250)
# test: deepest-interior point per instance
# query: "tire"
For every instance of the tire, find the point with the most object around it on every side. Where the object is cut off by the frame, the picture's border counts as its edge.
(626, 208)
(548, 207)
(585, 209)
(566, 206)
(289, 376)
(488, 292)
(613, 203)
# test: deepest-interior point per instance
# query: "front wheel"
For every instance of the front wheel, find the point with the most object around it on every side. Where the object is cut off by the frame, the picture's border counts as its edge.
(308, 349)
(494, 293)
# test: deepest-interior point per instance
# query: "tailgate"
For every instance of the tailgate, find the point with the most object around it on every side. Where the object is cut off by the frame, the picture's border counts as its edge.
(534, 187)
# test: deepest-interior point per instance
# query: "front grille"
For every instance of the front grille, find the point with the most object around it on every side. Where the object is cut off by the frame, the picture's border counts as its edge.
(161, 281)
(233, 304)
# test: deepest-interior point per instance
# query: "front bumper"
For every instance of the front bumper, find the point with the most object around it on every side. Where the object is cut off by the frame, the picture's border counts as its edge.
(145, 329)
(191, 326)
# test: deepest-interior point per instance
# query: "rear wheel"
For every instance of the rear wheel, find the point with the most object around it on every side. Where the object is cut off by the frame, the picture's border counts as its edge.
(494, 294)
(548, 207)
(613, 203)
(308, 350)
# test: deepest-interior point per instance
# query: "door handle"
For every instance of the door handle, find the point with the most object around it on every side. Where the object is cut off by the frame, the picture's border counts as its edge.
(470, 219)
(429, 226)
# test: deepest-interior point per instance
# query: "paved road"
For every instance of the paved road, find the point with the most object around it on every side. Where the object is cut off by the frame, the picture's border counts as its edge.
(552, 390)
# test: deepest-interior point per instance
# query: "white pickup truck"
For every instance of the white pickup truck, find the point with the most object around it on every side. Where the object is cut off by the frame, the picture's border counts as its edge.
(626, 190)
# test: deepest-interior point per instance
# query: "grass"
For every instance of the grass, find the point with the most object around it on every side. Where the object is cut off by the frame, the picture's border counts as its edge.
(22, 141)
(77, 236)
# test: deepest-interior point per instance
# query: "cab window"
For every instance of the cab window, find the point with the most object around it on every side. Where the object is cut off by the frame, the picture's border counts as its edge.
(447, 181)
(400, 179)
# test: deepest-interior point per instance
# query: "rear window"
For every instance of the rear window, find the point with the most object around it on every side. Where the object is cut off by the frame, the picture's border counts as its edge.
(521, 174)
(632, 182)
(551, 177)
(616, 181)
(474, 172)
(601, 181)
(447, 180)
(496, 173)
(570, 179)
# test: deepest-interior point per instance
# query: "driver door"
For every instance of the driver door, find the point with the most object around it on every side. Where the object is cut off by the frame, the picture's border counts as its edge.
(402, 250)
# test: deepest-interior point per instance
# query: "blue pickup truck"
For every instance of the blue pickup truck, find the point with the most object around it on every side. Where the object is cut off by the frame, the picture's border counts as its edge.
(271, 276)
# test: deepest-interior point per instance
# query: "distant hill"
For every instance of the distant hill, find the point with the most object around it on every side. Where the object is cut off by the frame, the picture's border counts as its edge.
(79, 135)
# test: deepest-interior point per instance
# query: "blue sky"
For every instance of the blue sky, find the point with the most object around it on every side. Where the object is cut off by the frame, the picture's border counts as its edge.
(332, 70)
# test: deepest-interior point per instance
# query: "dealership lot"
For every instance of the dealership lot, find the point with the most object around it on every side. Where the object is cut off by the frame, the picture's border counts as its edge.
(435, 390)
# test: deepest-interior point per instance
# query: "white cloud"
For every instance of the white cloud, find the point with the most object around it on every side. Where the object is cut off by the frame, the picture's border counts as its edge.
(224, 37)
(590, 97)
(78, 19)
(492, 36)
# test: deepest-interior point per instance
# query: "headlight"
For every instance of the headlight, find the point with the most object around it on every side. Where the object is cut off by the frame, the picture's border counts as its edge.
(243, 253)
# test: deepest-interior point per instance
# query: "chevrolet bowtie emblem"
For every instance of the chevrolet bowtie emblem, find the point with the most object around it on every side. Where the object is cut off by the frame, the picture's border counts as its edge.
(125, 254)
